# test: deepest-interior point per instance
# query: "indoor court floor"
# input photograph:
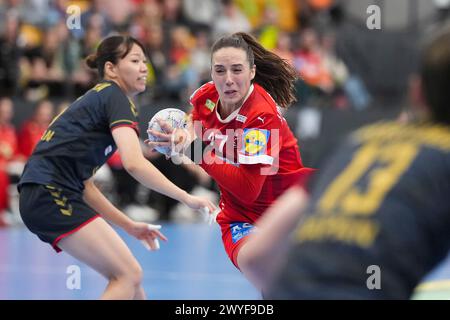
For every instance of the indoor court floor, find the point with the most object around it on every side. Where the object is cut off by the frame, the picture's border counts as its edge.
(191, 266)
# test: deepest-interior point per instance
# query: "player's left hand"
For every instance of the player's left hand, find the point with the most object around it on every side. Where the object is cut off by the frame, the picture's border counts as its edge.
(177, 139)
(147, 233)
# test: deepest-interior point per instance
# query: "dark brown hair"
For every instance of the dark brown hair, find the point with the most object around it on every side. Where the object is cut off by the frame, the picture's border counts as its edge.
(273, 73)
(435, 74)
(111, 49)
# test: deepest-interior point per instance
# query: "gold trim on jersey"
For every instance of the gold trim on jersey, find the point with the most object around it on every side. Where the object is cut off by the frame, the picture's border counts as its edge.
(346, 229)
(382, 164)
(122, 120)
(436, 136)
(99, 87)
(133, 107)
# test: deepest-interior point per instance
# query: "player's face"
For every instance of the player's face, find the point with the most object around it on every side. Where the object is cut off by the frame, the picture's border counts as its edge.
(44, 114)
(131, 71)
(232, 76)
(6, 111)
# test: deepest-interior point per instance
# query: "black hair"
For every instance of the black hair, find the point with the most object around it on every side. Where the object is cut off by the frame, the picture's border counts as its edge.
(111, 49)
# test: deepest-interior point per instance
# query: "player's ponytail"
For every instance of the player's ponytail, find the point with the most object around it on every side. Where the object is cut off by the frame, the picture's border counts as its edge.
(91, 61)
(273, 73)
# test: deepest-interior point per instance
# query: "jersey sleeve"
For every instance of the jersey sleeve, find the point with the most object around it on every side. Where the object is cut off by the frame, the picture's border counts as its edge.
(121, 111)
(197, 96)
(244, 182)
(194, 112)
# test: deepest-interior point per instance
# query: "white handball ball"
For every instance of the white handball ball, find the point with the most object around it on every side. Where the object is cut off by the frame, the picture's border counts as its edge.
(176, 118)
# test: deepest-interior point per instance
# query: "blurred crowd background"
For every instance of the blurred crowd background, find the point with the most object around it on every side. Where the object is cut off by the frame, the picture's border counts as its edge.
(349, 74)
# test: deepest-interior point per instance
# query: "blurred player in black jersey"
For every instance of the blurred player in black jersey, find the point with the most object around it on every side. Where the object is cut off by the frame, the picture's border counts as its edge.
(58, 199)
(378, 218)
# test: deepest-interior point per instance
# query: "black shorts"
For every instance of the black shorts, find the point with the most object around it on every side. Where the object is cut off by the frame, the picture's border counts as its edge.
(53, 213)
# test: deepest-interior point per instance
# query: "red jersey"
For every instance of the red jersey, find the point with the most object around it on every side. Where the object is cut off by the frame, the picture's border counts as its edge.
(8, 144)
(264, 159)
(29, 136)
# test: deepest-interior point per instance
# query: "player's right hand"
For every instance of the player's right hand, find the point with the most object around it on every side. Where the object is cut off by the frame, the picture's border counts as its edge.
(198, 203)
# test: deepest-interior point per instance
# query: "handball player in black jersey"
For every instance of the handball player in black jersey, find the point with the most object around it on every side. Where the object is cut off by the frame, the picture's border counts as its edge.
(59, 201)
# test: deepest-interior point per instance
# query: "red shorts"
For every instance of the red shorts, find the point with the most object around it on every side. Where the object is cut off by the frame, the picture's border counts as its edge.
(234, 235)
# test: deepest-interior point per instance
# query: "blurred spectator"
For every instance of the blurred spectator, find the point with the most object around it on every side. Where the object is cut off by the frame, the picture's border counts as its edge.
(336, 68)
(172, 17)
(97, 8)
(200, 58)
(182, 78)
(344, 84)
(173, 14)
(286, 12)
(309, 63)
(33, 129)
(150, 10)
(10, 54)
(201, 13)
(8, 150)
(283, 47)
(83, 77)
(34, 11)
(269, 30)
(48, 64)
(230, 20)
(119, 14)
(157, 60)
(315, 12)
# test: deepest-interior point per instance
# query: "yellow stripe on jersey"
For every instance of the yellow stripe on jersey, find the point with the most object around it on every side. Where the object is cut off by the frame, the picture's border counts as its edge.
(133, 107)
(99, 87)
(121, 121)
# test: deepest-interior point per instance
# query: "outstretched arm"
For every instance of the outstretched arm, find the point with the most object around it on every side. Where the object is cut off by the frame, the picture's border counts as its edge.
(97, 201)
(147, 174)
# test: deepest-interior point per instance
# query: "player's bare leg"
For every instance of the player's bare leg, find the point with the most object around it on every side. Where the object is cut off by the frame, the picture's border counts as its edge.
(100, 247)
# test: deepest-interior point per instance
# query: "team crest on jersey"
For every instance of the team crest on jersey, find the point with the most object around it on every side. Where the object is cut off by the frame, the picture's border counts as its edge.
(255, 141)
(210, 105)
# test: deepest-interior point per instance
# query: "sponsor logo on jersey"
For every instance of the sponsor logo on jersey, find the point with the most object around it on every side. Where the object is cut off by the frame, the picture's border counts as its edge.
(255, 141)
(240, 230)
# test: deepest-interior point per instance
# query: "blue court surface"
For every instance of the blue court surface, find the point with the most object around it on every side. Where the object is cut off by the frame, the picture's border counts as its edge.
(191, 266)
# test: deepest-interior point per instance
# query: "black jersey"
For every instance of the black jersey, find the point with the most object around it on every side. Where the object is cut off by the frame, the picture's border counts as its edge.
(79, 140)
(378, 220)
